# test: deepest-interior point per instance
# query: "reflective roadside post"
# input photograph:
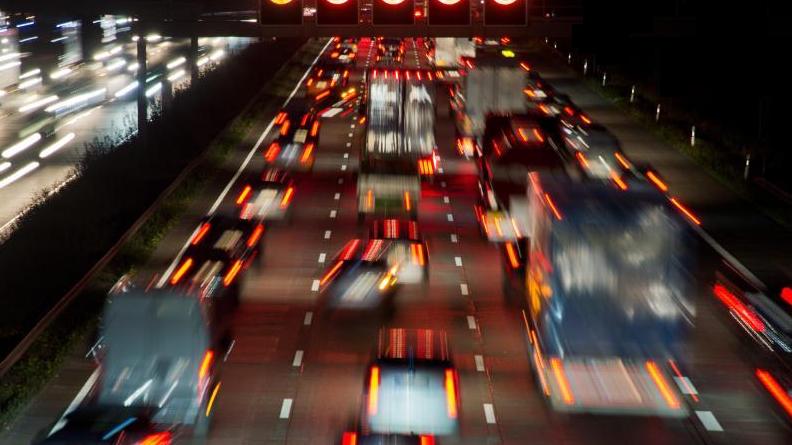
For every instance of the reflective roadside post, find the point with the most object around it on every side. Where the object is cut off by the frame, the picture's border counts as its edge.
(632, 94)
(693, 136)
(657, 114)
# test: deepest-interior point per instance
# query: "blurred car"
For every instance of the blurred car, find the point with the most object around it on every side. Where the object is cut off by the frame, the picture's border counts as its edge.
(412, 385)
(360, 278)
(536, 89)
(298, 136)
(595, 149)
(222, 247)
(344, 53)
(406, 248)
(326, 75)
(390, 51)
(116, 425)
(266, 196)
(363, 438)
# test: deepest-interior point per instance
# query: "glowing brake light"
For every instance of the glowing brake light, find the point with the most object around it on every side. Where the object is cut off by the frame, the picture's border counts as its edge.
(622, 160)
(306, 156)
(786, 295)
(451, 393)
(287, 197)
(282, 115)
(284, 130)
(418, 254)
(427, 440)
(561, 378)
(208, 357)
(181, 271)
(373, 395)
(212, 398)
(685, 211)
(201, 233)
(315, 128)
(232, 273)
(272, 152)
(407, 201)
(618, 180)
(322, 95)
(585, 119)
(738, 307)
(775, 390)
(582, 159)
(256, 235)
(552, 205)
(331, 272)
(538, 135)
(661, 383)
(244, 194)
(657, 181)
(349, 439)
(163, 438)
(514, 260)
(525, 66)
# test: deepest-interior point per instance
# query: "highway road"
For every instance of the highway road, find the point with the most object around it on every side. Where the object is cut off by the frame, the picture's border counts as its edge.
(46, 64)
(296, 375)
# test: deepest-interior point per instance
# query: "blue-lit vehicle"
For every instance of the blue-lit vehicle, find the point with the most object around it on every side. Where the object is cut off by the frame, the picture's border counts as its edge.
(608, 289)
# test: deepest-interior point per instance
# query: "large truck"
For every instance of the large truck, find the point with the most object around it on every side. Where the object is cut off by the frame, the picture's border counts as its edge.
(397, 146)
(608, 296)
(448, 51)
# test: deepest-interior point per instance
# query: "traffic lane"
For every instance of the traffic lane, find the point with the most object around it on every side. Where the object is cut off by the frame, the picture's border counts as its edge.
(757, 241)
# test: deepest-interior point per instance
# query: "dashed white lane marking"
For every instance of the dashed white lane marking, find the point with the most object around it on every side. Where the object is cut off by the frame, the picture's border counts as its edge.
(463, 288)
(340, 180)
(454, 238)
(308, 318)
(446, 200)
(337, 196)
(333, 213)
(349, 135)
(328, 234)
(442, 184)
(709, 421)
(685, 386)
(348, 144)
(315, 286)
(489, 413)
(471, 322)
(343, 167)
(298, 356)
(346, 155)
(479, 362)
(352, 126)
(450, 217)
(458, 261)
(285, 408)
(322, 257)
(440, 170)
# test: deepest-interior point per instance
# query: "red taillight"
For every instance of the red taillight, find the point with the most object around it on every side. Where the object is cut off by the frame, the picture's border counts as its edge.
(407, 201)
(306, 156)
(315, 128)
(451, 393)
(561, 378)
(287, 197)
(776, 390)
(656, 181)
(349, 439)
(738, 307)
(426, 167)
(181, 271)
(282, 115)
(201, 233)
(310, 82)
(255, 236)
(362, 120)
(618, 180)
(622, 160)
(330, 273)
(373, 395)
(685, 211)
(322, 95)
(206, 363)
(244, 194)
(427, 440)
(786, 295)
(553, 207)
(585, 119)
(272, 152)
(349, 250)
(418, 254)
(662, 384)
(525, 66)
(163, 438)
(582, 159)
(511, 253)
(284, 130)
(232, 273)
(538, 135)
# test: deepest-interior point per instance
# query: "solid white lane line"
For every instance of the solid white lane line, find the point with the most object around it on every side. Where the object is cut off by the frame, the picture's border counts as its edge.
(242, 167)
(463, 288)
(286, 408)
(230, 348)
(479, 362)
(458, 261)
(471, 320)
(446, 200)
(454, 238)
(709, 421)
(298, 356)
(327, 234)
(685, 386)
(450, 217)
(322, 257)
(337, 196)
(315, 285)
(489, 413)
(333, 213)
(308, 318)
